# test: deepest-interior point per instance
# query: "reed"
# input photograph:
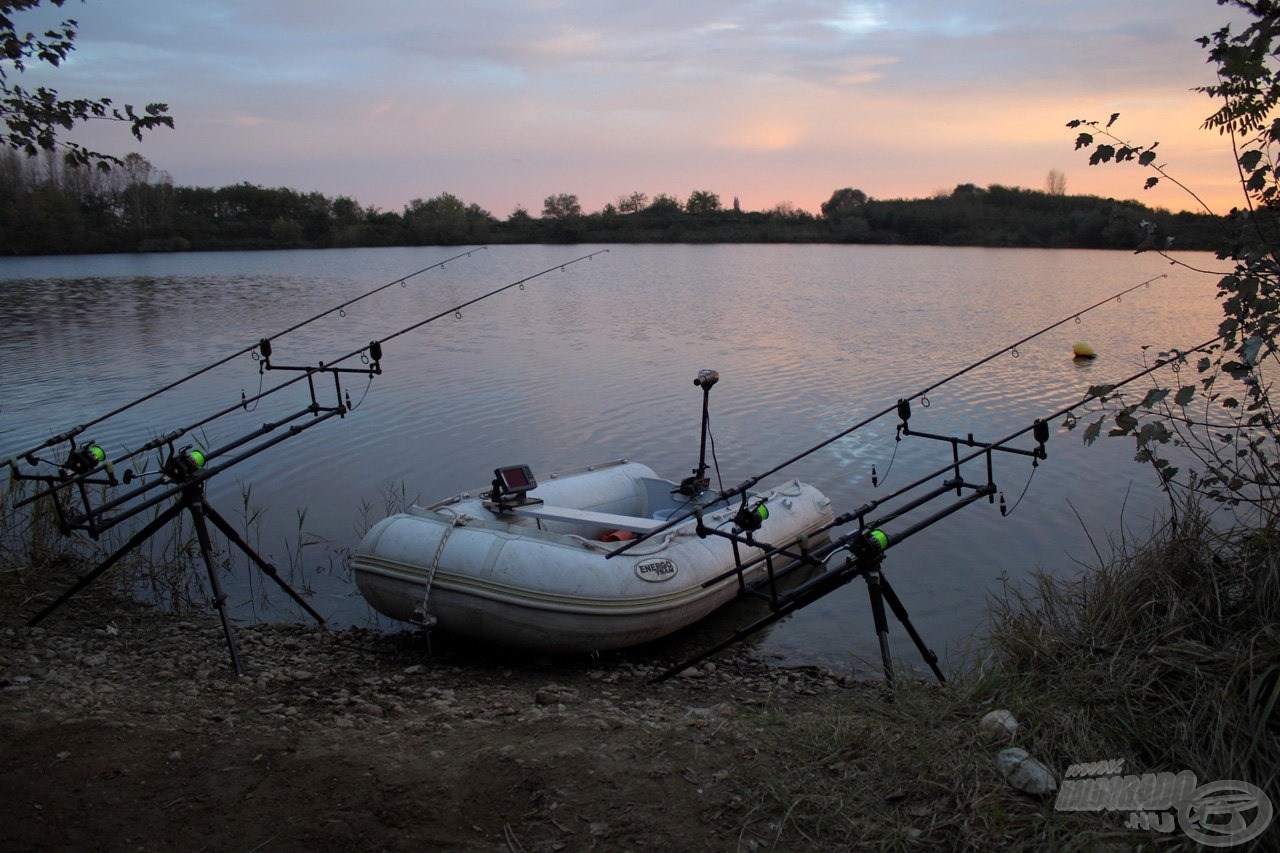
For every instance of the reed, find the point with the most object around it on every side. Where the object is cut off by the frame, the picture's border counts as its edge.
(1166, 655)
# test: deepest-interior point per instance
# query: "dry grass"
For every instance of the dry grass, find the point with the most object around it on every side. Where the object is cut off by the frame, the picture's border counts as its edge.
(1166, 657)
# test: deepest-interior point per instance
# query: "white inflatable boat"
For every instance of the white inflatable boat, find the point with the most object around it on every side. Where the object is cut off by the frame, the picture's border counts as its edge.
(523, 563)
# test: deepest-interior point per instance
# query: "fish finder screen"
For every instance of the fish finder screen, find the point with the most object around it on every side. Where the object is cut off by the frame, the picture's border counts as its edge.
(516, 478)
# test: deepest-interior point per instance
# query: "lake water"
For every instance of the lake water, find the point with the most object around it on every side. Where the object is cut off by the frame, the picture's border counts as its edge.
(596, 362)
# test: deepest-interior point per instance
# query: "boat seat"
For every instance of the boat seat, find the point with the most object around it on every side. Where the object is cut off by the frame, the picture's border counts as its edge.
(608, 520)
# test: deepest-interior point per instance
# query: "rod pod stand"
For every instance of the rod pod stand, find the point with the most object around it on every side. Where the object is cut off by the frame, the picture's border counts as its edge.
(866, 554)
(699, 482)
(192, 499)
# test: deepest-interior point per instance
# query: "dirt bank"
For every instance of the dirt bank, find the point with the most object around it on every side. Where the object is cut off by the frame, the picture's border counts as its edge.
(124, 728)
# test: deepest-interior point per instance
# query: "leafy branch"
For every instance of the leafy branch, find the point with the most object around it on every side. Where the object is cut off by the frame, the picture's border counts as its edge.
(1123, 151)
(1233, 441)
(36, 120)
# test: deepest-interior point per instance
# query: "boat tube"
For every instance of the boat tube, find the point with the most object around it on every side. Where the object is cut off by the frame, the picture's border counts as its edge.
(524, 563)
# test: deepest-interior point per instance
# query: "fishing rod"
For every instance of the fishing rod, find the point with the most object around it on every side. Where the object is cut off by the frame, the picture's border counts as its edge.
(741, 489)
(84, 462)
(71, 433)
(182, 477)
(867, 544)
(89, 461)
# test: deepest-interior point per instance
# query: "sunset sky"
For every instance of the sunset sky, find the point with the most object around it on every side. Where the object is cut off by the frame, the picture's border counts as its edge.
(768, 101)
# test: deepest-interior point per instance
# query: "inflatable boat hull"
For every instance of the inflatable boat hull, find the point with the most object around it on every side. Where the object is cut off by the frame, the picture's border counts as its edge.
(538, 577)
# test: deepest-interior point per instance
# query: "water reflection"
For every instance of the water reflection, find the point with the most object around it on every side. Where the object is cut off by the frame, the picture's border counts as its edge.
(596, 363)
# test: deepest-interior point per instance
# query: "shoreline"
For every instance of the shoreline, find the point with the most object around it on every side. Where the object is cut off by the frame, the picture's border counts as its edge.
(125, 728)
(129, 729)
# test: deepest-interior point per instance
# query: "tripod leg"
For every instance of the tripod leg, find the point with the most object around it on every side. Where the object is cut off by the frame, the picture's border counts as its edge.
(901, 612)
(874, 582)
(267, 569)
(195, 504)
(134, 541)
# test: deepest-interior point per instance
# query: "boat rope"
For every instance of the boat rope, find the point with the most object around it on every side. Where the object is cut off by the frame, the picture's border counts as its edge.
(422, 612)
(655, 546)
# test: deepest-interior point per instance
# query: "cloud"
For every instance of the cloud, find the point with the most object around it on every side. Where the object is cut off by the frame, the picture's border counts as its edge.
(390, 99)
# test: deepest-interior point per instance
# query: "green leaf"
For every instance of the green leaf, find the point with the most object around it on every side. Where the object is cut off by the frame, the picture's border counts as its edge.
(1185, 395)
(1125, 424)
(1100, 391)
(1155, 395)
(1153, 432)
(1092, 431)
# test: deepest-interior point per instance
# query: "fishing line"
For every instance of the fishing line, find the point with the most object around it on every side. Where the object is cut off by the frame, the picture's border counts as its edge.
(1006, 512)
(984, 448)
(370, 353)
(823, 552)
(922, 394)
(74, 431)
(264, 348)
(457, 310)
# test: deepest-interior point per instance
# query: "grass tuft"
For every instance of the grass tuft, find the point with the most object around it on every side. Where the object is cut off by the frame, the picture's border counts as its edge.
(1166, 656)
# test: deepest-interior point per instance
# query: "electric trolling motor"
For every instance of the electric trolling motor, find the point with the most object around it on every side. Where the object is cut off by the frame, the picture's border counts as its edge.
(699, 482)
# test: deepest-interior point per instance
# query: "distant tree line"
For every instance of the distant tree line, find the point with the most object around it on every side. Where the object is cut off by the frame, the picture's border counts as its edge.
(51, 206)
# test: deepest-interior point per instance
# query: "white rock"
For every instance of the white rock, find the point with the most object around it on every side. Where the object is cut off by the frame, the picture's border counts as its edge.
(1024, 772)
(998, 723)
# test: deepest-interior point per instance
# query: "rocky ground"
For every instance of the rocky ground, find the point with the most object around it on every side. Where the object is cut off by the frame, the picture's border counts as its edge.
(124, 728)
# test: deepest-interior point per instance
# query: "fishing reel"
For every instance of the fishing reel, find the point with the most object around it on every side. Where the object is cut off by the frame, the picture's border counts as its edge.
(183, 464)
(867, 547)
(751, 517)
(83, 460)
(80, 463)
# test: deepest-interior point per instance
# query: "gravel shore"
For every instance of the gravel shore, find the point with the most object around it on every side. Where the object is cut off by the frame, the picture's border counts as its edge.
(126, 728)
